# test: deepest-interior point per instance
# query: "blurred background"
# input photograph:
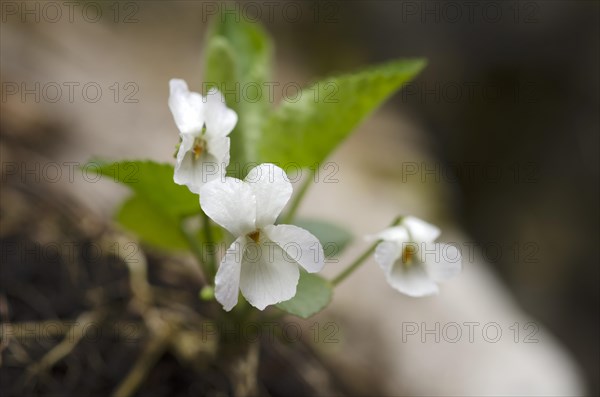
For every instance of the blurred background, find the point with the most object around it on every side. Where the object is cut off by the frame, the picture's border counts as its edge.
(498, 136)
(509, 102)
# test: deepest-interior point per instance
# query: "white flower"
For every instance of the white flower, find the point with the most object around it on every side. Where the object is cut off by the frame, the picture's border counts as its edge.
(263, 261)
(412, 263)
(204, 124)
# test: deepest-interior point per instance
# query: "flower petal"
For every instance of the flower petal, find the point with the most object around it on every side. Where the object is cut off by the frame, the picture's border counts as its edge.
(231, 204)
(227, 280)
(220, 120)
(411, 280)
(386, 254)
(187, 142)
(272, 189)
(396, 233)
(219, 148)
(187, 107)
(195, 173)
(267, 277)
(184, 169)
(185, 146)
(445, 264)
(419, 230)
(299, 245)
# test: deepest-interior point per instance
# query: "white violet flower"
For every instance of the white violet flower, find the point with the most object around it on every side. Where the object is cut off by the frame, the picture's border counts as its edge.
(263, 261)
(203, 123)
(412, 263)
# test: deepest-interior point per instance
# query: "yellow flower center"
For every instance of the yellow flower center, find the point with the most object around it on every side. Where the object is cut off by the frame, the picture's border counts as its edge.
(198, 148)
(408, 255)
(255, 235)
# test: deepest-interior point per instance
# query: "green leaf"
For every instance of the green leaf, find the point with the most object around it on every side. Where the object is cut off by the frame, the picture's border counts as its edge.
(152, 181)
(155, 211)
(306, 131)
(238, 62)
(151, 226)
(313, 294)
(333, 238)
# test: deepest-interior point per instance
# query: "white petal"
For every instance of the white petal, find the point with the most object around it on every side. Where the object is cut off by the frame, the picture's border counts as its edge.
(227, 280)
(187, 142)
(272, 189)
(444, 264)
(386, 254)
(267, 277)
(411, 280)
(184, 169)
(195, 173)
(219, 148)
(231, 204)
(420, 231)
(299, 245)
(185, 165)
(186, 145)
(187, 107)
(211, 169)
(395, 233)
(220, 120)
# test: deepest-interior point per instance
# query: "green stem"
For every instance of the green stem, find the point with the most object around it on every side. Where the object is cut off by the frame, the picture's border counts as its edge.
(291, 214)
(194, 246)
(359, 261)
(209, 239)
(348, 271)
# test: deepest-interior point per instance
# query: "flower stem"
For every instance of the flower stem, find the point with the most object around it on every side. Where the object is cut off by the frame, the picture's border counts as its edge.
(291, 214)
(350, 269)
(209, 239)
(194, 246)
(359, 261)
